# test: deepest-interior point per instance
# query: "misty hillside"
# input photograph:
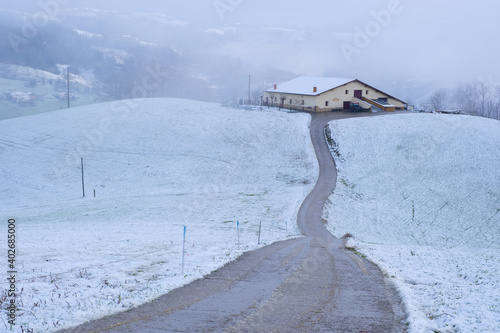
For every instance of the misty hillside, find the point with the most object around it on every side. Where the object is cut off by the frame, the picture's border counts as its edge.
(122, 56)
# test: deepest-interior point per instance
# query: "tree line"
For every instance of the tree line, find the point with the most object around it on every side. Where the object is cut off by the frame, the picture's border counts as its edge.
(481, 98)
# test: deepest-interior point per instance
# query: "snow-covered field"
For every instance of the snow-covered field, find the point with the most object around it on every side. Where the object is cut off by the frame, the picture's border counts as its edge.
(421, 195)
(156, 166)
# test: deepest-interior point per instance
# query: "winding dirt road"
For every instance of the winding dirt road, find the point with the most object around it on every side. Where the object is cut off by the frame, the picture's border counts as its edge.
(309, 284)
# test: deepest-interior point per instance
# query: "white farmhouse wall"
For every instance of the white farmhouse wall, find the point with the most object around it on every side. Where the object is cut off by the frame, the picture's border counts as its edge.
(333, 99)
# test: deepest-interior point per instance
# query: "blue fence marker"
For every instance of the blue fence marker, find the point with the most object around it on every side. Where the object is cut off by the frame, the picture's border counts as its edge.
(238, 228)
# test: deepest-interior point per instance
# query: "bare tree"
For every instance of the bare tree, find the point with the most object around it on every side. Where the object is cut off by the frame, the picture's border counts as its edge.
(479, 98)
(297, 103)
(493, 105)
(466, 98)
(483, 92)
(439, 100)
(256, 96)
(272, 96)
(497, 104)
(282, 100)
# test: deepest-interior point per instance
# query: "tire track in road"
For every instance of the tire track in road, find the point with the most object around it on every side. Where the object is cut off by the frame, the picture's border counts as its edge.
(309, 284)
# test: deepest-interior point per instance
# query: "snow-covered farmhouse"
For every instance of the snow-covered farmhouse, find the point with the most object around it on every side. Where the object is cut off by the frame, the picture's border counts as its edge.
(330, 94)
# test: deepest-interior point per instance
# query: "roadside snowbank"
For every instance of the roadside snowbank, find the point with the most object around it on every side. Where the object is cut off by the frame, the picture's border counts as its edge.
(421, 194)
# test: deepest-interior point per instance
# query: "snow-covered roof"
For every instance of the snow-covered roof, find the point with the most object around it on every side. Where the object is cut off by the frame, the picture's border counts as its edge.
(304, 85)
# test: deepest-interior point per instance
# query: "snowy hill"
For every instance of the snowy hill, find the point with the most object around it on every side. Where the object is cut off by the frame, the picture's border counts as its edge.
(156, 165)
(421, 194)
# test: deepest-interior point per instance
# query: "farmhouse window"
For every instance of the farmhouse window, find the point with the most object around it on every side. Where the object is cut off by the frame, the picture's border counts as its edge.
(367, 92)
(326, 103)
(347, 92)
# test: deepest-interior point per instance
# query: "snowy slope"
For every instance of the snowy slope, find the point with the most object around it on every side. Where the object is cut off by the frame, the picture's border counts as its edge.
(421, 194)
(156, 166)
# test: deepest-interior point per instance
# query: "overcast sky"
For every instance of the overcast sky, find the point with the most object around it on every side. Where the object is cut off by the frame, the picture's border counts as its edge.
(426, 40)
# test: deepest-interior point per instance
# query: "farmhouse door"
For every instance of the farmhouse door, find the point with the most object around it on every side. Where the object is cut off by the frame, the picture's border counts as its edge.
(358, 93)
(347, 105)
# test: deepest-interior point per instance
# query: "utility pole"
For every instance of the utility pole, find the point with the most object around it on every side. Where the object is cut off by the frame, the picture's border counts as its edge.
(69, 104)
(249, 82)
(83, 180)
